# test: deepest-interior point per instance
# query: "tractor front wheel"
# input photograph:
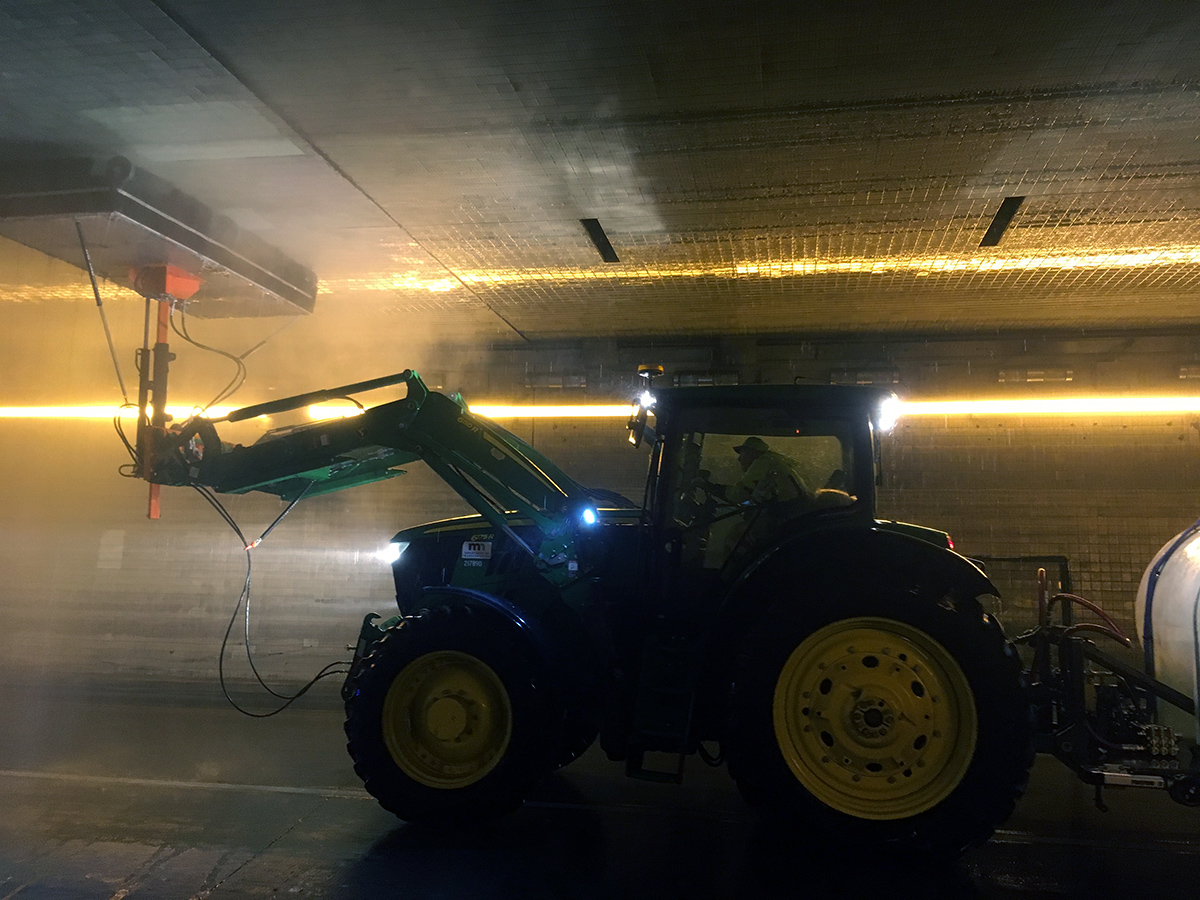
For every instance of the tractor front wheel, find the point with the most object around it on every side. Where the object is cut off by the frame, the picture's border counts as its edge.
(446, 720)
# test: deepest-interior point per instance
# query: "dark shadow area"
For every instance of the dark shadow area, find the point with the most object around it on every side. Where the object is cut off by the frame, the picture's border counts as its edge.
(521, 857)
(584, 854)
(781, 868)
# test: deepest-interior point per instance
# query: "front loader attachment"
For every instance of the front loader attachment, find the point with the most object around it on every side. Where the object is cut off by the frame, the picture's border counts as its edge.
(497, 473)
(312, 459)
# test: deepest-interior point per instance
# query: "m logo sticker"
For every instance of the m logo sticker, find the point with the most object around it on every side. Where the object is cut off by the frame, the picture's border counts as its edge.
(477, 550)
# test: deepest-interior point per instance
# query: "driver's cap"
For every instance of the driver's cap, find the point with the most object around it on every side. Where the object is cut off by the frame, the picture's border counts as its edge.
(752, 443)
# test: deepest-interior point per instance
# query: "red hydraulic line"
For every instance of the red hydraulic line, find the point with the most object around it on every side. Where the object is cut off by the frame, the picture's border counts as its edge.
(1088, 604)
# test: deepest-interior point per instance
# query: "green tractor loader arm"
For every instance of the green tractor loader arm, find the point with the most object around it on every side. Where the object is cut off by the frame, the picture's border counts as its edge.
(496, 472)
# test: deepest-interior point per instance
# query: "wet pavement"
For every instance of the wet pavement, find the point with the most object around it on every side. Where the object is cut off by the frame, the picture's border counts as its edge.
(130, 790)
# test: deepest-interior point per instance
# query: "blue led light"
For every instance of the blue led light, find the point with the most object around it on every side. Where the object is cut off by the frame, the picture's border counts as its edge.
(588, 515)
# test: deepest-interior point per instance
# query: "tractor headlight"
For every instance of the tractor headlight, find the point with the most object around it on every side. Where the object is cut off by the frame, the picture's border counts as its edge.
(888, 413)
(393, 551)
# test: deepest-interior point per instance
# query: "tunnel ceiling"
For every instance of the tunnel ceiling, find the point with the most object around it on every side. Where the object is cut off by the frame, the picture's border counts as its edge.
(755, 167)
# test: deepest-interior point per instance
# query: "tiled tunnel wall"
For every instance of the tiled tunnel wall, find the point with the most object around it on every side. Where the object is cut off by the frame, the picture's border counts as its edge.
(92, 589)
(1105, 492)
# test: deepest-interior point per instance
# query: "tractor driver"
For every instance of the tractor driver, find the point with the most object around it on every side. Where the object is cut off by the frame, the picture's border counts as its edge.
(768, 476)
(772, 491)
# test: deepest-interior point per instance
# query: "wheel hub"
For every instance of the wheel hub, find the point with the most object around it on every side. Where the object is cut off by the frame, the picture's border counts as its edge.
(447, 717)
(871, 718)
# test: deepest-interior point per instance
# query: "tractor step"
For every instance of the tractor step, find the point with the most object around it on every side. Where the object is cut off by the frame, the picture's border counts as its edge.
(666, 696)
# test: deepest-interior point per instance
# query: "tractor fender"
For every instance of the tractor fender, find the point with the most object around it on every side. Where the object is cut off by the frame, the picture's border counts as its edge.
(505, 612)
(502, 615)
(553, 632)
(847, 554)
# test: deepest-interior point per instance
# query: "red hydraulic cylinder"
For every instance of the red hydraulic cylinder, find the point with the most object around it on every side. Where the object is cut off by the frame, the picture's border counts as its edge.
(158, 393)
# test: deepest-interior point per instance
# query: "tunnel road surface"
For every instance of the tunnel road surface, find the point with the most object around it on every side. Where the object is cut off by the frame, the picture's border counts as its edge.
(126, 790)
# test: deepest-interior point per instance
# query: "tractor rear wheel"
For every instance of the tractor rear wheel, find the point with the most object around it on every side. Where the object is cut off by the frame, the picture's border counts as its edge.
(446, 719)
(881, 716)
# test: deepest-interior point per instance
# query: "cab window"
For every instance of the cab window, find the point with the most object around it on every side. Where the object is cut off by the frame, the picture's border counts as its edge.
(738, 476)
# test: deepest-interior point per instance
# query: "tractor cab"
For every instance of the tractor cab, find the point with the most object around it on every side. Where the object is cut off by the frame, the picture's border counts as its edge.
(737, 469)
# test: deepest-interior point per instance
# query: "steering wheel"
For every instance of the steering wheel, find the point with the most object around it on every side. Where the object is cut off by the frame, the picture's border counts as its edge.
(701, 501)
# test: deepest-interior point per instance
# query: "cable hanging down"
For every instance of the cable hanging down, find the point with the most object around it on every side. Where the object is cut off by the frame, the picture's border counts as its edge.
(131, 470)
(338, 667)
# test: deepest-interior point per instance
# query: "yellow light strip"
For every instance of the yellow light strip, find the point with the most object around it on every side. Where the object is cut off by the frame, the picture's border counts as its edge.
(1034, 260)
(598, 411)
(1062, 406)
(99, 412)
(578, 411)
(332, 411)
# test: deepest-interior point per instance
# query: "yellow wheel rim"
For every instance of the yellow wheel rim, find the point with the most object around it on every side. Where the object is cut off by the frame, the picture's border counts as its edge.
(875, 718)
(447, 719)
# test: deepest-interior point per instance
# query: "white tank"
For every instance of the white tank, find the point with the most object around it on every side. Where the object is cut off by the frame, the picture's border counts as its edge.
(1168, 622)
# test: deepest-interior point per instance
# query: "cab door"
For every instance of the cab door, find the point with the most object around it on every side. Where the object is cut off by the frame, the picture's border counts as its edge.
(716, 503)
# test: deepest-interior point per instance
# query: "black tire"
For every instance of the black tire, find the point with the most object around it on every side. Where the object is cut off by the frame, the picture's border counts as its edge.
(447, 720)
(837, 727)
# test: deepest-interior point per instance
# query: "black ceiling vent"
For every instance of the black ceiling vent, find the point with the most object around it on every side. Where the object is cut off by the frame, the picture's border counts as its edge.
(1000, 221)
(134, 220)
(600, 239)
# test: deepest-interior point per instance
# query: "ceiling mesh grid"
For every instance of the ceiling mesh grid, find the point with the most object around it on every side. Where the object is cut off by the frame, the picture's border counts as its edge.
(757, 170)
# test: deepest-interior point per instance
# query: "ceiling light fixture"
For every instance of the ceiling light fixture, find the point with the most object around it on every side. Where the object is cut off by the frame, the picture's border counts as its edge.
(603, 246)
(1001, 221)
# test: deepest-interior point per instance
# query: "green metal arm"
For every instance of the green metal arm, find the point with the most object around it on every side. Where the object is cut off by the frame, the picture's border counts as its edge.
(497, 473)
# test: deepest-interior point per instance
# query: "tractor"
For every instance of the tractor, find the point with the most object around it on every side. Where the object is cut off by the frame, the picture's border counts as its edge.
(750, 610)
